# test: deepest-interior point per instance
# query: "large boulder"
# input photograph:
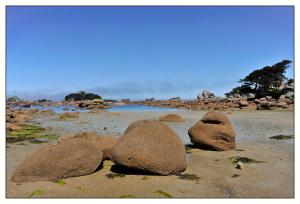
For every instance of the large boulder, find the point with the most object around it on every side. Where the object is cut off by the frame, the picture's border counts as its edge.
(150, 146)
(171, 118)
(214, 131)
(68, 158)
(104, 142)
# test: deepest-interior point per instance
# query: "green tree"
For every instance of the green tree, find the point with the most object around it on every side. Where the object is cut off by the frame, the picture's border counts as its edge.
(264, 81)
(81, 96)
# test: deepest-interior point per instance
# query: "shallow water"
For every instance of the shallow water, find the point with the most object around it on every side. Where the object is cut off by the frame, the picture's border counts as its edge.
(140, 108)
(56, 109)
(121, 108)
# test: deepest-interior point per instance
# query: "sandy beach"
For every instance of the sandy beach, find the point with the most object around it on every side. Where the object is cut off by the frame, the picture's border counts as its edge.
(208, 174)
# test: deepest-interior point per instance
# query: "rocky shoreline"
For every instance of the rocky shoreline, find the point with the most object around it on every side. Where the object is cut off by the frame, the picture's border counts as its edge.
(232, 104)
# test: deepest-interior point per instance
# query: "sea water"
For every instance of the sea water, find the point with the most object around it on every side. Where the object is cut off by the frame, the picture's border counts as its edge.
(118, 108)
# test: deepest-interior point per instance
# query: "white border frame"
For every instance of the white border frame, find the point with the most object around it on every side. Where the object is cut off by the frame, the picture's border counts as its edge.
(4, 3)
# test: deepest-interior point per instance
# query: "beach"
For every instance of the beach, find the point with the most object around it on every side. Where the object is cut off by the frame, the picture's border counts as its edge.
(209, 174)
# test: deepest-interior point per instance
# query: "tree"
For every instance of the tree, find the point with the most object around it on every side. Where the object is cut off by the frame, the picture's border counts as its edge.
(264, 81)
(43, 100)
(81, 96)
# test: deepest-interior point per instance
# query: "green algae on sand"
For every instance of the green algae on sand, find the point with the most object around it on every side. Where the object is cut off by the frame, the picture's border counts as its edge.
(246, 160)
(60, 182)
(189, 177)
(30, 133)
(126, 196)
(163, 193)
(37, 193)
(282, 137)
(112, 176)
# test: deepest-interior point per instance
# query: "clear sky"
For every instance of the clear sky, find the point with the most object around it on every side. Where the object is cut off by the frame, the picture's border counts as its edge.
(138, 52)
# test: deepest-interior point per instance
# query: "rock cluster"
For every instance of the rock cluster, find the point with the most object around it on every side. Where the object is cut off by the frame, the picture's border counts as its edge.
(92, 104)
(208, 101)
(146, 145)
(206, 95)
(14, 118)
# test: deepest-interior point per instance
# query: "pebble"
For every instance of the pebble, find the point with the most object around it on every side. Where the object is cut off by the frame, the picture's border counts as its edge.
(240, 165)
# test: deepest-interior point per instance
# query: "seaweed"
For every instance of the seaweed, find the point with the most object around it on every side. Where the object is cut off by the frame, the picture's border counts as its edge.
(127, 196)
(282, 137)
(188, 149)
(35, 141)
(29, 133)
(37, 193)
(26, 130)
(189, 177)
(60, 182)
(18, 139)
(146, 178)
(112, 176)
(237, 159)
(163, 193)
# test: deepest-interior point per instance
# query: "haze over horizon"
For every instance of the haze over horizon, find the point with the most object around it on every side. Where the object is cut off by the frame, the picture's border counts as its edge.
(141, 52)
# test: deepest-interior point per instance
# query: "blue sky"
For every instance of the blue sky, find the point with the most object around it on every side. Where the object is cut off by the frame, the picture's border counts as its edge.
(139, 52)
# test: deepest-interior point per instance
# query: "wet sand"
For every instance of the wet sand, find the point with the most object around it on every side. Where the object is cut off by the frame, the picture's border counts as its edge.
(216, 175)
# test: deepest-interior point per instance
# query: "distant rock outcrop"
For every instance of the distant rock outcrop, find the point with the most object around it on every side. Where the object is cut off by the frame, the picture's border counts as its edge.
(206, 95)
(93, 104)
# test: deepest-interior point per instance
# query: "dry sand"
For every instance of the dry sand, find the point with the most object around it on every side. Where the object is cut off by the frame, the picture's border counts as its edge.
(217, 176)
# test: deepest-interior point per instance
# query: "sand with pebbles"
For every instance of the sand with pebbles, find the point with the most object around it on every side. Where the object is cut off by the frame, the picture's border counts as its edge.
(208, 173)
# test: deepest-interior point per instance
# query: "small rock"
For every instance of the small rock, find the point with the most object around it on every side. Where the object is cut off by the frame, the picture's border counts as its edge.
(240, 165)
(282, 97)
(171, 118)
(243, 103)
